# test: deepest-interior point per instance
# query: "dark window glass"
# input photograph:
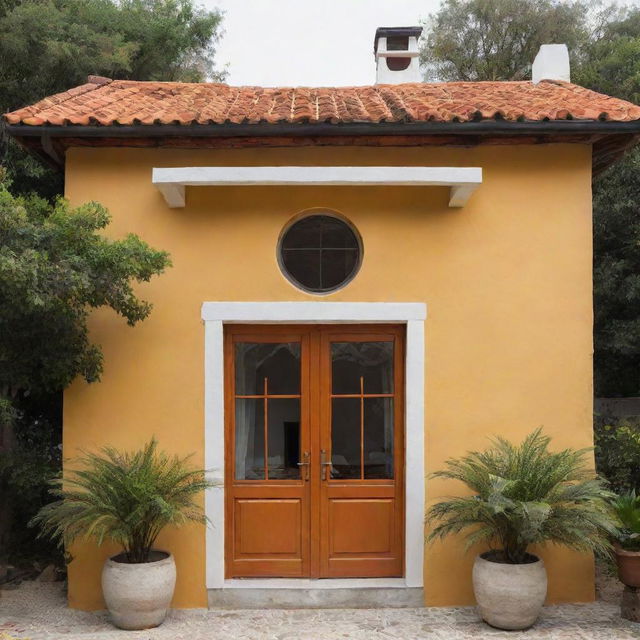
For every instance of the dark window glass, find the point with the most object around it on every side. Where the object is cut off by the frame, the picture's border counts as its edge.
(320, 253)
(372, 361)
(284, 439)
(345, 438)
(378, 437)
(249, 439)
(278, 362)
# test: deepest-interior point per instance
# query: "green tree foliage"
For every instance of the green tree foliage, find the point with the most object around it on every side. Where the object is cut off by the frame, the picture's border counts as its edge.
(611, 60)
(124, 497)
(524, 495)
(616, 273)
(27, 471)
(48, 46)
(497, 39)
(54, 267)
(617, 454)
(612, 65)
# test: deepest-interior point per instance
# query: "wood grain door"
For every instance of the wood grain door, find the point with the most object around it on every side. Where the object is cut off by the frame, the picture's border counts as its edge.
(361, 448)
(314, 451)
(267, 452)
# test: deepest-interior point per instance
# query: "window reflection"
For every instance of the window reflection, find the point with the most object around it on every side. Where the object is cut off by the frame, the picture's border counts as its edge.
(373, 361)
(278, 362)
(267, 370)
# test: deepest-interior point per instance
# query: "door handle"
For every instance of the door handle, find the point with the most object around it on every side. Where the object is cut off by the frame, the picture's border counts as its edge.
(305, 464)
(325, 466)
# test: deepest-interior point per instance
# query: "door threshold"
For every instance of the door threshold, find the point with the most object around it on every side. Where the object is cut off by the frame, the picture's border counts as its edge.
(321, 583)
(302, 593)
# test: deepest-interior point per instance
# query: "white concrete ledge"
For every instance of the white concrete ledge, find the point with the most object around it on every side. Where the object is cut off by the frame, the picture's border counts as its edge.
(171, 182)
(315, 597)
(313, 312)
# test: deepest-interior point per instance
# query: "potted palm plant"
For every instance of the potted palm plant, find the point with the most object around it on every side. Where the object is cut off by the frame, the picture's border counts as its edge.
(128, 498)
(522, 495)
(627, 540)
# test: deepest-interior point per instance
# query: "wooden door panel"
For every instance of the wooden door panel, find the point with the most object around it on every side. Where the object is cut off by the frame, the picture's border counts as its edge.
(281, 537)
(374, 533)
(354, 567)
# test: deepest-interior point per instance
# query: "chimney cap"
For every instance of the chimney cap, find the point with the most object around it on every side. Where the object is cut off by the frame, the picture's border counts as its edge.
(390, 32)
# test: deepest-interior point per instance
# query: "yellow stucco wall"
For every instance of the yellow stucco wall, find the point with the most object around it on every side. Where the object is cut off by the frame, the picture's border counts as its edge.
(507, 280)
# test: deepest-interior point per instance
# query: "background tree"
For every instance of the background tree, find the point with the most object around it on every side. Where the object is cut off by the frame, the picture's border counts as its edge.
(55, 266)
(611, 64)
(498, 39)
(48, 46)
(63, 267)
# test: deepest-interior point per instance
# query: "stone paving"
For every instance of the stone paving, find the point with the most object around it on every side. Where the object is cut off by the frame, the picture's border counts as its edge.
(38, 611)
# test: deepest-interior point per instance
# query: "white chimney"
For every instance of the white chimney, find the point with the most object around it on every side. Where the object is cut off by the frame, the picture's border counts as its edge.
(397, 55)
(551, 63)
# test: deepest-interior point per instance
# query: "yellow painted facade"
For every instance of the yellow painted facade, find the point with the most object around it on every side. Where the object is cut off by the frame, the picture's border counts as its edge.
(507, 281)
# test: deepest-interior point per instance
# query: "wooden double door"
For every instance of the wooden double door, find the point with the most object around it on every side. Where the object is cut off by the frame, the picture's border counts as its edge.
(314, 451)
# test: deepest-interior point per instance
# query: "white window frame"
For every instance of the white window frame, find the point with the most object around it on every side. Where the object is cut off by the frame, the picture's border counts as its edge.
(412, 314)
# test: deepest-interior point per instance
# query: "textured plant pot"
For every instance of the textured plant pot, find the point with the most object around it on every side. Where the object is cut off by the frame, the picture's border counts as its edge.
(138, 595)
(628, 566)
(509, 596)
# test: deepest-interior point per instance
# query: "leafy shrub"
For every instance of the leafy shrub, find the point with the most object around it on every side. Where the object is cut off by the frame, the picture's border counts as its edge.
(617, 449)
(26, 472)
(523, 495)
(125, 497)
(627, 508)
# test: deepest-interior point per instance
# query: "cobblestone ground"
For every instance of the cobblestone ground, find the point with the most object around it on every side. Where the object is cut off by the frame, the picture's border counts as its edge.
(38, 611)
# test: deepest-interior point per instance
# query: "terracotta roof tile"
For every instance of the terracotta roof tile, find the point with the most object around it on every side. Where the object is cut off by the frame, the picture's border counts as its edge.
(122, 102)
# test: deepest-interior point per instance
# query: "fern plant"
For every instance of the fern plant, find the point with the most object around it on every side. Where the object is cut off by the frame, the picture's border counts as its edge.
(124, 497)
(524, 495)
(627, 508)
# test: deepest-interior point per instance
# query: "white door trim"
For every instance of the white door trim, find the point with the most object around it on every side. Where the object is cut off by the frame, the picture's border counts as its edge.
(412, 314)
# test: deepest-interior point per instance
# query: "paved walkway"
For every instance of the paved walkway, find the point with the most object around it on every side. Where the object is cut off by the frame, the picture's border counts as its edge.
(38, 611)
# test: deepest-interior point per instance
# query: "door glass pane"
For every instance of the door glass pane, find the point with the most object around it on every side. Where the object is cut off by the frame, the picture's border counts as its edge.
(278, 362)
(249, 439)
(284, 439)
(371, 360)
(345, 438)
(378, 437)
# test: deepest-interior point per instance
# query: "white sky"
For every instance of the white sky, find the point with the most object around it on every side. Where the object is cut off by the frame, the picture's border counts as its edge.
(308, 42)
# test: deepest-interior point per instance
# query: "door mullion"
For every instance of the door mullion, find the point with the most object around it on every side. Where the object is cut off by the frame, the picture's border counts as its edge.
(315, 420)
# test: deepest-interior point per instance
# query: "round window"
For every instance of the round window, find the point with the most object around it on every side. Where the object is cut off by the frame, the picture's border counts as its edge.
(320, 253)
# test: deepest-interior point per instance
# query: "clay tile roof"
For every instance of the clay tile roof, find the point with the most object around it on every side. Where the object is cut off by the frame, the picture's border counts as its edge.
(123, 102)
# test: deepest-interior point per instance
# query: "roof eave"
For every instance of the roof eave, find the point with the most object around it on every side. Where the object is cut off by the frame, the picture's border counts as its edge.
(610, 139)
(492, 127)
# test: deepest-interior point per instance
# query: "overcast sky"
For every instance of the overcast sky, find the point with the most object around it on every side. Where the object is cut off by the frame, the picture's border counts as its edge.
(308, 42)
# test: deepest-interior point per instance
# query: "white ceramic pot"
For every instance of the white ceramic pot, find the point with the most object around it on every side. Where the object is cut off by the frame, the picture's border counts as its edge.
(509, 596)
(138, 595)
